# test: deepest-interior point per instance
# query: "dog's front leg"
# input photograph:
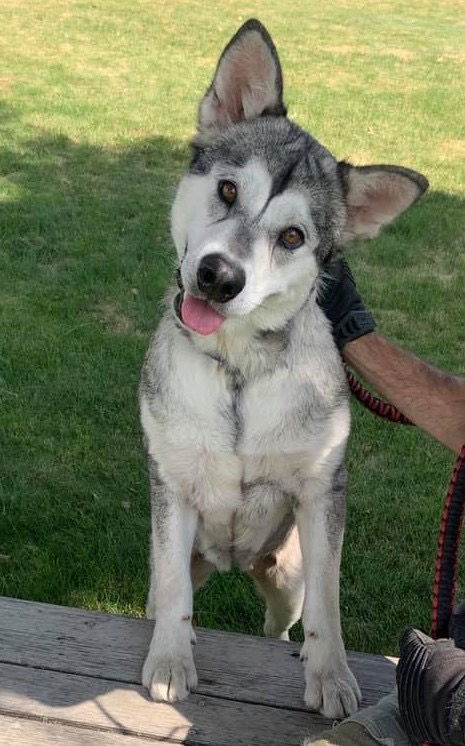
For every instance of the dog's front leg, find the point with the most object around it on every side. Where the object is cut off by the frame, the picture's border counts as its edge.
(169, 671)
(331, 687)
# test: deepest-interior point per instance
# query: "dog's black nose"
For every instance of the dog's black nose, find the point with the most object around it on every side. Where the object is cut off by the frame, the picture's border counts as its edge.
(219, 278)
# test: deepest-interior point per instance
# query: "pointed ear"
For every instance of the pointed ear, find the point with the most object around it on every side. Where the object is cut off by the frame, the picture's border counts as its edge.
(247, 83)
(376, 195)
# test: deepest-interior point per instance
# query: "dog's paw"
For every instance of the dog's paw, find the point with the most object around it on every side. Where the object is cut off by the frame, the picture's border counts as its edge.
(331, 689)
(335, 694)
(169, 672)
(169, 677)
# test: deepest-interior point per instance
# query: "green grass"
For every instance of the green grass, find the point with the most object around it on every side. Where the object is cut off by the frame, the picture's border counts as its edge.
(98, 104)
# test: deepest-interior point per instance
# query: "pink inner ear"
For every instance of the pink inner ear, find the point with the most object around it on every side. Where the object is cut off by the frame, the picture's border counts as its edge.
(245, 82)
(375, 199)
(390, 194)
(373, 204)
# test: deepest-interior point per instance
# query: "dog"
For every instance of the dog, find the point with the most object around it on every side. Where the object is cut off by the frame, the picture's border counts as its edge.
(243, 397)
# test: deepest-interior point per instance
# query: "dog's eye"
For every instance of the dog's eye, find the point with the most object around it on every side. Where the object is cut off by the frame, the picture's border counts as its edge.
(227, 191)
(292, 238)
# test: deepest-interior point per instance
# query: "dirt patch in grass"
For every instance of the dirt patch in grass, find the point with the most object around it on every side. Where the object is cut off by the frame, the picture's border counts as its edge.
(343, 49)
(454, 56)
(452, 150)
(341, 78)
(114, 320)
(338, 79)
(400, 54)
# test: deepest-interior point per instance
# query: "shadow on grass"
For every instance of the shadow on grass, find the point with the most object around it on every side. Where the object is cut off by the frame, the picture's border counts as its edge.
(85, 257)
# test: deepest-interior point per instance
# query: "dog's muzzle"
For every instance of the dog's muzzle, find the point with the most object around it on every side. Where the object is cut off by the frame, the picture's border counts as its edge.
(219, 279)
(196, 314)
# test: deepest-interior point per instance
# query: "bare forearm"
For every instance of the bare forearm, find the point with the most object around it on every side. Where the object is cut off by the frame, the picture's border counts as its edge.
(433, 400)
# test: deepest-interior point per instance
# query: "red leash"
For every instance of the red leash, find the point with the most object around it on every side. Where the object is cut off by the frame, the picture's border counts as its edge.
(447, 558)
(375, 405)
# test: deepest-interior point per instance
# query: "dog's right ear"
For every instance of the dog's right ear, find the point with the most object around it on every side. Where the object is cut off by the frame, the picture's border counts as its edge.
(248, 81)
(376, 195)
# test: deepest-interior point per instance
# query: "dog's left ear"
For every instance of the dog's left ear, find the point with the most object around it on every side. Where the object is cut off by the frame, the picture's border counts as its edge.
(248, 81)
(376, 195)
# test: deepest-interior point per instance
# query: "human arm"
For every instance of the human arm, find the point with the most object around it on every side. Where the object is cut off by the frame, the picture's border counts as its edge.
(432, 399)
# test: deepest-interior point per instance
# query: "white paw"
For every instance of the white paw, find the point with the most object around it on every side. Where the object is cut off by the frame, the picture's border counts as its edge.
(331, 689)
(169, 672)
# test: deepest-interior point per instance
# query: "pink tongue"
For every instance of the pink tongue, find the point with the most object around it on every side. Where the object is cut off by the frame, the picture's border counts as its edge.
(199, 316)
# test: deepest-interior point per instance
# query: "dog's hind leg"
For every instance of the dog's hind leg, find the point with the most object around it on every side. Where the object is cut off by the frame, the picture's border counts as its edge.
(201, 569)
(279, 578)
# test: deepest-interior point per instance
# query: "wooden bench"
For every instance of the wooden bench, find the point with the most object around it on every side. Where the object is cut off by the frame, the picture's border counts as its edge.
(73, 677)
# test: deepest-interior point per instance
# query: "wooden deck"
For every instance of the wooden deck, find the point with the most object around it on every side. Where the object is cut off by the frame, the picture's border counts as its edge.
(73, 677)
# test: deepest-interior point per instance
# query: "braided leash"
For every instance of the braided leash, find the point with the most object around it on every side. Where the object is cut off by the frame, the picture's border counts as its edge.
(447, 558)
(375, 405)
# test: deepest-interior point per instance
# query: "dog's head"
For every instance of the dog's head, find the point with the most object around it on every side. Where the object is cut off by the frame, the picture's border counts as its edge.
(264, 207)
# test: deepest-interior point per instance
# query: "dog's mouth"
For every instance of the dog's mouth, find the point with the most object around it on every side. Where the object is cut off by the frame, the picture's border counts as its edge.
(196, 313)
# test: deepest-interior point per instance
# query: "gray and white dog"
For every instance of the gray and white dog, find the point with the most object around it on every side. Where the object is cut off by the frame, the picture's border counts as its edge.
(243, 398)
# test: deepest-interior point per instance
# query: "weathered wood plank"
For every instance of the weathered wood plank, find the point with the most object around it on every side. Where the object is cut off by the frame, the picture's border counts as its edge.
(125, 708)
(113, 647)
(18, 731)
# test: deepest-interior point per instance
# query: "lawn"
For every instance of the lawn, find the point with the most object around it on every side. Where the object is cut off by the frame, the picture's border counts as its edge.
(98, 102)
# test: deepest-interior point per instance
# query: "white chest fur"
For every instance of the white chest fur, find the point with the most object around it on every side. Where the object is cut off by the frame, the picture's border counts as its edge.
(240, 449)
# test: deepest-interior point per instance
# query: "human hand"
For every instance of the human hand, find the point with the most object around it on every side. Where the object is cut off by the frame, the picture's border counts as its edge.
(343, 305)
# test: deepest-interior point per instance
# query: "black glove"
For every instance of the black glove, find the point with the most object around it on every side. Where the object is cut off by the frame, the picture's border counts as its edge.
(343, 305)
(431, 689)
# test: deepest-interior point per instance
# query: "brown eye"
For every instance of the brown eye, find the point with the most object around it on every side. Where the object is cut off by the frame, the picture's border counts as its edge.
(292, 238)
(227, 191)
